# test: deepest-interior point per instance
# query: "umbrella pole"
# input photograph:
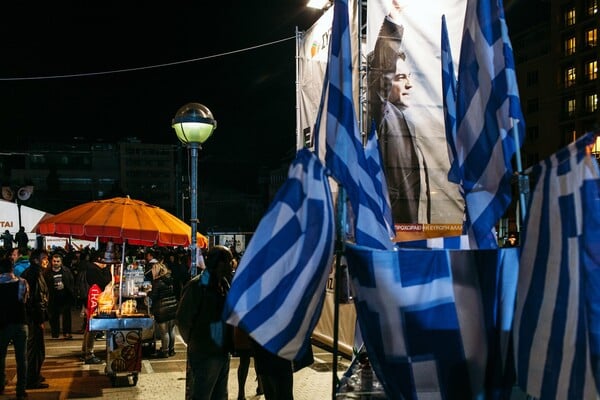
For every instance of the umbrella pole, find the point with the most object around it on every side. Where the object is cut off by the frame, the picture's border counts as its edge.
(121, 274)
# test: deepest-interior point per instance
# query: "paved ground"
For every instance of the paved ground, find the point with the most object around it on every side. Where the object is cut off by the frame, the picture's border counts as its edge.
(70, 378)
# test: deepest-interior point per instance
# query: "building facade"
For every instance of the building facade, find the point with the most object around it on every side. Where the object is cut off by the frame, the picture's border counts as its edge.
(556, 52)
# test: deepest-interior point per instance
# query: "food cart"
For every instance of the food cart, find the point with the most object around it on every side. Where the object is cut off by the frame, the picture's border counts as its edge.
(123, 321)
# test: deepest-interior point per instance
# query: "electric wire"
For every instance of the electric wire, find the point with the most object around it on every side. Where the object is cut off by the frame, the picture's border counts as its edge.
(155, 66)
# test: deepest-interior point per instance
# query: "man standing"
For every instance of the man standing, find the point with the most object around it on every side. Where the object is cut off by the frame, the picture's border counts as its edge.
(60, 282)
(13, 324)
(20, 260)
(208, 338)
(37, 314)
(7, 240)
(97, 273)
(22, 239)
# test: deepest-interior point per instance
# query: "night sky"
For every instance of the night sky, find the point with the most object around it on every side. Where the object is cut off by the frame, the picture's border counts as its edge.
(251, 93)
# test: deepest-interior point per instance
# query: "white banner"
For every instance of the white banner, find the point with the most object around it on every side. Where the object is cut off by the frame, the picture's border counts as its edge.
(313, 51)
(404, 92)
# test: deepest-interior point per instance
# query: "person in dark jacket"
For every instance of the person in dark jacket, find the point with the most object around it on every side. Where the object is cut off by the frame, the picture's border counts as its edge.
(14, 292)
(97, 273)
(22, 239)
(208, 338)
(164, 308)
(37, 315)
(60, 283)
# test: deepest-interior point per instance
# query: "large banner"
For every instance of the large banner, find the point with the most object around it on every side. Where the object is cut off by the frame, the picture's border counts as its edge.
(404, 95)
(313, 50)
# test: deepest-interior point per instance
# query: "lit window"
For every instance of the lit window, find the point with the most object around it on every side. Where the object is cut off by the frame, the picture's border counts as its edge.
(570, 16)
(571, 107)
(570, 76)
(570, 45)
(591, 37)
(591, 70)
(592, 8)
(591, 102)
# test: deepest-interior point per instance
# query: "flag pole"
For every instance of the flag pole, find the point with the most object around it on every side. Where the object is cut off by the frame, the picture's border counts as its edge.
(523, 180)
(339, 251)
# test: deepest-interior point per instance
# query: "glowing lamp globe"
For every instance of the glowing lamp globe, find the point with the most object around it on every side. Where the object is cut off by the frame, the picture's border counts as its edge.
(193, 123)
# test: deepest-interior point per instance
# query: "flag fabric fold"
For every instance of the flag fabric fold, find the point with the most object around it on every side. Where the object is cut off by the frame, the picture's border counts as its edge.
(373, 155)
(449, 101)
(278, 289)
(557, 317)
(344, 152)
(437, 323)
(488, 116)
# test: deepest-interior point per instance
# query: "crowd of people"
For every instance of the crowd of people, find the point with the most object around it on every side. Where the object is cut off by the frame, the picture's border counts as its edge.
(42, 286)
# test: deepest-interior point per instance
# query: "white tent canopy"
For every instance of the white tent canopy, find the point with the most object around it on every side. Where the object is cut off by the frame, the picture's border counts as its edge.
(9, 219)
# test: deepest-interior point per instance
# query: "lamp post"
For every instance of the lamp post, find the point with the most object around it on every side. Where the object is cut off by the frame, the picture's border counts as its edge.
(193, 123)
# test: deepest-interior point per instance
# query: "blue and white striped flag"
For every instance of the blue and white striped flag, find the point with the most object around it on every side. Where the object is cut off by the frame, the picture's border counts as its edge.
(557, 317)
(449, 96)
(437, 323)
(278, 289)
(344, 151)
(373, 155)
(488, 116)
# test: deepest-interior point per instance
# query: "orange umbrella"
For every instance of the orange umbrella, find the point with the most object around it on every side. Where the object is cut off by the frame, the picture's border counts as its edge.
(121, 219)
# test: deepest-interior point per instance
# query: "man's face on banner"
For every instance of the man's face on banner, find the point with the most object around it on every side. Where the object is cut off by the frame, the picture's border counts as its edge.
(401, 85)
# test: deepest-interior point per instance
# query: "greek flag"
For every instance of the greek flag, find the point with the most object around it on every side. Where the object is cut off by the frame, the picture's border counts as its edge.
(373, 155)
(488, 116)
(449, 96)
(437, 323)
(278, 289)
(344, 151)
(557, 317)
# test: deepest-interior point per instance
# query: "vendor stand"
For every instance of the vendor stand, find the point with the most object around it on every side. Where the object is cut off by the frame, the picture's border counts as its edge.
(127, 221)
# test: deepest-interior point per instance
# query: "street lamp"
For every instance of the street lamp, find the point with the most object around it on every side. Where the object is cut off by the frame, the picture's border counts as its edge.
(193, 123)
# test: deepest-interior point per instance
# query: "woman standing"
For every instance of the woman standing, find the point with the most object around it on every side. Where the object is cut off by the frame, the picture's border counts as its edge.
(164, 308)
